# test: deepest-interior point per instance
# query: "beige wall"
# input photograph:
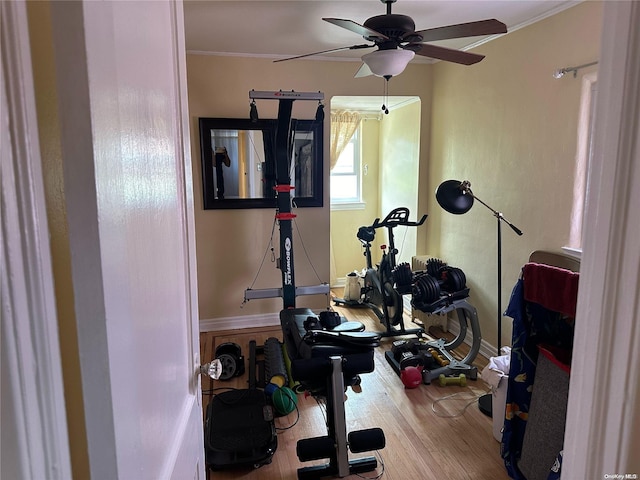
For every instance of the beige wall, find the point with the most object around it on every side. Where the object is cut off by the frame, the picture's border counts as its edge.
(231, 243)
(509, 127)
(400, 164)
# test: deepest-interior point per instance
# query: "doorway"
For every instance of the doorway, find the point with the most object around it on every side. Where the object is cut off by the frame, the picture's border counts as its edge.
(387, 155)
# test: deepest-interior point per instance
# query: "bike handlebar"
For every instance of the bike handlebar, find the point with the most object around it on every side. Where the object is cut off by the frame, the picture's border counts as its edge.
(398, 216)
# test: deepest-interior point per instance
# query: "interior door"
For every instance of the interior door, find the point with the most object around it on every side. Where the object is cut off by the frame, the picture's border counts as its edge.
(127, 173)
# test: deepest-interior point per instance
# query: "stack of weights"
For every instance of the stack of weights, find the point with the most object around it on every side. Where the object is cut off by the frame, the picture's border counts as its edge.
(402, 277)
(283, 399)
(438, 279)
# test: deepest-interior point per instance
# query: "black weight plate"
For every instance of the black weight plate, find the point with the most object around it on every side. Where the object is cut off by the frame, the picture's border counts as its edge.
(433, 290)
(463, 279)
(393, 304)
(228, 366)
(417, 291)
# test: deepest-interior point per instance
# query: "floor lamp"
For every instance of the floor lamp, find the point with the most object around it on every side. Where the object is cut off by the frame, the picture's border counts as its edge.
(456, 197)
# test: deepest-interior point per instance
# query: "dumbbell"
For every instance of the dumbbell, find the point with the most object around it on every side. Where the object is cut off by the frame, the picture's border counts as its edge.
(460, 380)
(428, 288)
(434, 265)
(443, 361)
(402, 275)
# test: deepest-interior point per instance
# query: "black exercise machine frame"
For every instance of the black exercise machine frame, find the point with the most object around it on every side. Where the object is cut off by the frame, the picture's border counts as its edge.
(336, 444)
(285, 124)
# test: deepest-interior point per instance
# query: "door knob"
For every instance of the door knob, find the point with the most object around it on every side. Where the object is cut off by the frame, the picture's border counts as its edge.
(212, 369)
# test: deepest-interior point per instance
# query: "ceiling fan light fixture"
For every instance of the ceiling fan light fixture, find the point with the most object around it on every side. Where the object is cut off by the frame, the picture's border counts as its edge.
(388, 63)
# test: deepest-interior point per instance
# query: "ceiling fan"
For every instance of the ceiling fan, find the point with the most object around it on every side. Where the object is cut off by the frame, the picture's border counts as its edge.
(397, 41)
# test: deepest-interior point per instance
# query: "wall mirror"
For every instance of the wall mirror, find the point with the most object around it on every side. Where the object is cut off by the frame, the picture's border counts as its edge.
(239, 168)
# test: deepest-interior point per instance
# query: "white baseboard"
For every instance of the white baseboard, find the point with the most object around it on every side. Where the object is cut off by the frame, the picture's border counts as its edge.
(238, 323)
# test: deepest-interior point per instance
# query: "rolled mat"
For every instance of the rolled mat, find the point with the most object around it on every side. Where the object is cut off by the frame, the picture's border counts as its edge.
(274, 366)
(293, 385)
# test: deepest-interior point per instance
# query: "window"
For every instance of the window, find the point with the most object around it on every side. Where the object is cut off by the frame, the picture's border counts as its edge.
(345, 175)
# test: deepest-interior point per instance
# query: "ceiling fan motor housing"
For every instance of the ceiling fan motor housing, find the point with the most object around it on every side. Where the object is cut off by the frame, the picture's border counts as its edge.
(393, 25)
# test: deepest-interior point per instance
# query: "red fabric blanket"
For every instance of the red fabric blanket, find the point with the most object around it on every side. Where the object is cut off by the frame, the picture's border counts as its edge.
(552, 287)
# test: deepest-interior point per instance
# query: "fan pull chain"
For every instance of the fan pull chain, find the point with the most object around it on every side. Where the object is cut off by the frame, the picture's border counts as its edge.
(385, 95)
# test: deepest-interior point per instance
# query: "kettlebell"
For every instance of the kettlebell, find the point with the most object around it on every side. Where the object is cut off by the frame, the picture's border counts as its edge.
(411, 376)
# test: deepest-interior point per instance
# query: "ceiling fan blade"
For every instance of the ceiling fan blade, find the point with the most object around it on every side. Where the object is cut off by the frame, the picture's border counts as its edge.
(356, 28)
(339, 49)
(447, 54)
(471, 29)
(363, 71)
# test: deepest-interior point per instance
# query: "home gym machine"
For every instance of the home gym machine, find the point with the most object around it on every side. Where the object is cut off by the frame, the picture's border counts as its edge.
(324, 357)
(378, 292)
(438, 290)
(283, 154)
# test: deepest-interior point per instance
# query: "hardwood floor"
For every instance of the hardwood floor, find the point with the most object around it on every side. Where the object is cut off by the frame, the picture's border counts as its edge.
(432, 432)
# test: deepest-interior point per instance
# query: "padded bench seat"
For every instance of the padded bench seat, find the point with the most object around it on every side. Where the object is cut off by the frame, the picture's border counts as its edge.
(310, 350)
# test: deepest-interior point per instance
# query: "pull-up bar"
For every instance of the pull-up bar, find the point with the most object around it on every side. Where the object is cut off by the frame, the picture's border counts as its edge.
(280, 95)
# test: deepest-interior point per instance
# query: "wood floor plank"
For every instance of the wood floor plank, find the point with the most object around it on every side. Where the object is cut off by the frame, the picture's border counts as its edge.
(432, 432)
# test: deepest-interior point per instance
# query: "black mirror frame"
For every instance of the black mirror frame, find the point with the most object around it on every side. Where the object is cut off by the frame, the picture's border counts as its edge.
(269, 127)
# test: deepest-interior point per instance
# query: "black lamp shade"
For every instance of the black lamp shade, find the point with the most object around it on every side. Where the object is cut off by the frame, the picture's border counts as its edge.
(452, 198)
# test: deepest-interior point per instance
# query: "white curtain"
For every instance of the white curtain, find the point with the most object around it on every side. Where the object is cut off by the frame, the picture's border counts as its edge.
(343, 125)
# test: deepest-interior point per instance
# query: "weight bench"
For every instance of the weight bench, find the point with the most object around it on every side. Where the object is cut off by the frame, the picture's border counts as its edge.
(325, 361)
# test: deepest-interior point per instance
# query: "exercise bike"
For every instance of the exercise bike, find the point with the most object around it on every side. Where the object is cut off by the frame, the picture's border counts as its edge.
(378, 292)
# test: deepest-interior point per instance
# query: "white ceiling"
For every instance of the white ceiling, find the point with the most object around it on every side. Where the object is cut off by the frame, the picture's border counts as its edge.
(280, 29)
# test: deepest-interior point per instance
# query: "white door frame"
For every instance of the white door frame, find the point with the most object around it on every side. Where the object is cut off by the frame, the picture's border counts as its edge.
(34, 424)
(602, 421)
